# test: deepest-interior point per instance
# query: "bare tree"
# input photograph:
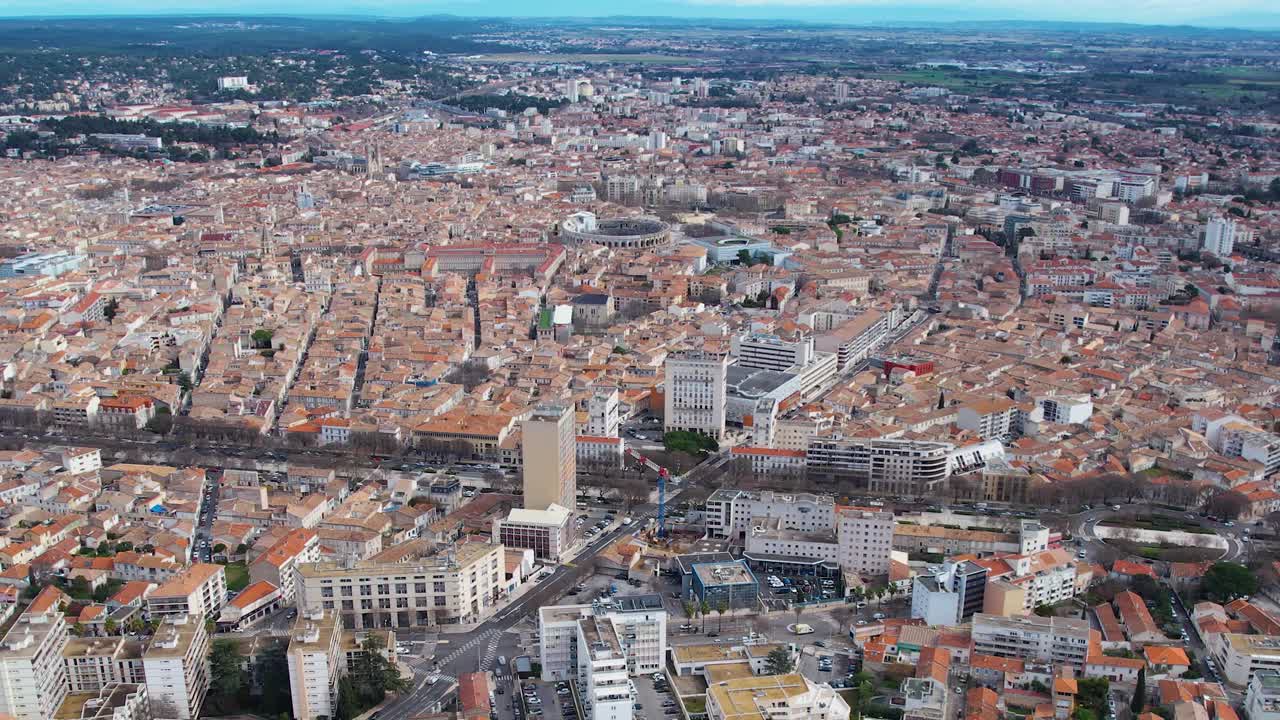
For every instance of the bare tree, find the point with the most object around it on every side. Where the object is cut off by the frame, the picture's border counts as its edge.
(1227, 504)
(635, 491)
(963, 487)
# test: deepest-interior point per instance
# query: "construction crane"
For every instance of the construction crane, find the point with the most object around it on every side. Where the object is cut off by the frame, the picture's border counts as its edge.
(663, 475)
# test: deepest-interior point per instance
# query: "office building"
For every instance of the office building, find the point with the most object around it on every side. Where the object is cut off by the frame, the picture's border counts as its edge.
(48, 264)
(900, 467)
(798, 357)
(1031, 637)
(694, 391)
(549, 533)
(408, 585)
(949, 595)
(33, 677)
(600, 646)
(1242, 657)
(729, 512)
(770, 352)
(774, 697)
(176, 667)
(316, 663)
(550, 457)
(730, 583)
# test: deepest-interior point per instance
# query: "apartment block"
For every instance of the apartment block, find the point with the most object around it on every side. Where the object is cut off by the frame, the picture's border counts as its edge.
(277, 564)
(176, 667)
(1051, 640)
(853, 340)
(994, 419)
(93, 663)
(1262, 698)
(602, 414)
(638, 621)
(865, 537)
(550, 457)
(33, 678)
(408, 585)
(949, 595)
(200, 589)
(903, 467)
(316, 663)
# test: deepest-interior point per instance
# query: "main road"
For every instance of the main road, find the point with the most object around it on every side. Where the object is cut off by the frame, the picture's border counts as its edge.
(1083, 525)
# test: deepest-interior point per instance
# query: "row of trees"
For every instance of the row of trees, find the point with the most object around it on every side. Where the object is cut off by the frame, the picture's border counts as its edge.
(703, 609)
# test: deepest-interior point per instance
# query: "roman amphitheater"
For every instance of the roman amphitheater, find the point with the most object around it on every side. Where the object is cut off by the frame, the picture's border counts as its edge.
(622, 233)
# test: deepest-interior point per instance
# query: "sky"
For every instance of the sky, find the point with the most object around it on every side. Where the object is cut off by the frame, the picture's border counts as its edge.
(1258, 14)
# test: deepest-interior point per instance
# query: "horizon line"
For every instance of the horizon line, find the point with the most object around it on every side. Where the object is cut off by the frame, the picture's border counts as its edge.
(108, 15)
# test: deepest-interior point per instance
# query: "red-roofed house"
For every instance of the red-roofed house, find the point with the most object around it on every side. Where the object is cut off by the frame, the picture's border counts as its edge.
(252, 604)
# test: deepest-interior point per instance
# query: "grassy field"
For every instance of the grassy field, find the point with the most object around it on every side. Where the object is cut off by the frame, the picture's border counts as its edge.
(955, 79)
(648, 58)
(237, 576)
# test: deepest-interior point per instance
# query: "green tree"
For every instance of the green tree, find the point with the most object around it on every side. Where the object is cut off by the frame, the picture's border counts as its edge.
(744, 257)
(1226, 581)
(864, 690)
(1139, 693)
(722, 607)
(269, 668)
(262, 338)
(690, 610)
(778, 662)
(375, 674)
(109, 311)
(227, 677)
(1091, 694)
(111, 626)
(348, 701)
(704, 609)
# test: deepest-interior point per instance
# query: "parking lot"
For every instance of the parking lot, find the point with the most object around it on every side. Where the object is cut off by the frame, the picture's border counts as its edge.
(778, 590)
(824, 665)
(552, 701)
(654, 701)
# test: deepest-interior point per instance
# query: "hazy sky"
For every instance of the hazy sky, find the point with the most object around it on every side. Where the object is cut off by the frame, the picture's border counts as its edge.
(1240, 13)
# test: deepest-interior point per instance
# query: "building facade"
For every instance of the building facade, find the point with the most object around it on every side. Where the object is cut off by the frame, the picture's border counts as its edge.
(457, 586)
(548, 449)
(695, 392)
